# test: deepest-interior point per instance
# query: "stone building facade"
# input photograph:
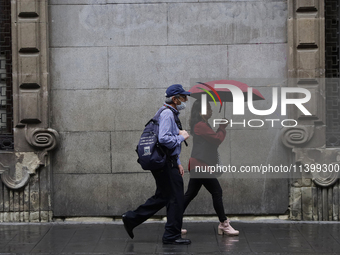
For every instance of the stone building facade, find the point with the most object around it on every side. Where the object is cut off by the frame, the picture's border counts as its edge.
(87, 75)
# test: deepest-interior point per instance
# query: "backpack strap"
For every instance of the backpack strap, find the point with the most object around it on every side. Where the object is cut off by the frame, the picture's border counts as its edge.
(178, 122)
(156, 117)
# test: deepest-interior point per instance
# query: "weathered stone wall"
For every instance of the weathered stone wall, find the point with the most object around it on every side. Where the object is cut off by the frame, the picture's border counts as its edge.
(314, 195)
(110, 63)
(25, 190)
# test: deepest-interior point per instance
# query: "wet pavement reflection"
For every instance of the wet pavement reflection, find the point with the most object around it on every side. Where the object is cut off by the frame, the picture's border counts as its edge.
(255, 238)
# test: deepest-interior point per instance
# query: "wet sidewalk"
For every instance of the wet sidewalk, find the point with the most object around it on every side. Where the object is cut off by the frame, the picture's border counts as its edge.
(255, 238)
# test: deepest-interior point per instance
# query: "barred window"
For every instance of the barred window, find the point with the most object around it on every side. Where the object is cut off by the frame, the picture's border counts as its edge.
(6, 95)
(332, 13)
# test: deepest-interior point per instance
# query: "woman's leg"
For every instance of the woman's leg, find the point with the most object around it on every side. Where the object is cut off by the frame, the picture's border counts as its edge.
(193, 187)
(214, 187)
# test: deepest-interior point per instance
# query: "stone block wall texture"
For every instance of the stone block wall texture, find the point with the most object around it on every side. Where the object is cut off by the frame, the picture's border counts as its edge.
(110, 63)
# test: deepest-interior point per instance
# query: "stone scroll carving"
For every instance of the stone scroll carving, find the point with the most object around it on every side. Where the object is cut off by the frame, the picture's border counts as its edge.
(42, 139)
(16, 179)
(325, 179)
(325, 164)
(296, 136)
(17, 174)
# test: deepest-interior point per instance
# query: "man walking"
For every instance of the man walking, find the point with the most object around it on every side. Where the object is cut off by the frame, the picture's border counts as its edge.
(169, 181)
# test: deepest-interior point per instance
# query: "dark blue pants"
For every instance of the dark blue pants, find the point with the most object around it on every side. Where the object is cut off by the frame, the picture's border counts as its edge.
(214, 188)
(169, 193)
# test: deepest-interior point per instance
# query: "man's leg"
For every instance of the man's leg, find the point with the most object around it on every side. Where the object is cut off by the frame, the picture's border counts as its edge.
(174, 206)
(154, 203)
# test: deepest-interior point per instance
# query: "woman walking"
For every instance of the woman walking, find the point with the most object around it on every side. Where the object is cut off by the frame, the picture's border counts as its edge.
(204, 154)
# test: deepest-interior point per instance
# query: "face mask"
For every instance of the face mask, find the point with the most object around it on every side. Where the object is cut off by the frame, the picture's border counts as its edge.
(181, 106)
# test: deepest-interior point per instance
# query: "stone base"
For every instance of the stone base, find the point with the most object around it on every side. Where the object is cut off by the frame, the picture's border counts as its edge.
(42, 216)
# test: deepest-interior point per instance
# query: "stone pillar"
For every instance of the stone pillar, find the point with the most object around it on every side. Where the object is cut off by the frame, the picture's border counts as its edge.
(26, 171)
(313, 194)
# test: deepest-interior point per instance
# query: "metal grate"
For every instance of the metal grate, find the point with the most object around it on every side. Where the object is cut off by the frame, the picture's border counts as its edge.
(332, 13)
(6, 92)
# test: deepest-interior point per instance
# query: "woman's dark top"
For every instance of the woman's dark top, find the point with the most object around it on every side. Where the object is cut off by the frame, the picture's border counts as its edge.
(205, 144)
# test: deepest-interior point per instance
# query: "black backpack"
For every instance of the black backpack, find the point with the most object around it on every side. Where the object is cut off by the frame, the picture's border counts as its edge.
(151, 154)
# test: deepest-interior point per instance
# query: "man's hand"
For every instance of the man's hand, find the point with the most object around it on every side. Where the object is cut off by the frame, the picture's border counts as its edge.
(181, 170)
(184, 134)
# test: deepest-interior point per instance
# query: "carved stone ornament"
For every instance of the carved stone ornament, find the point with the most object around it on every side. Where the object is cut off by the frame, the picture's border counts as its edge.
(323, 165)
(323, 162)
(328, 178)
(296, 136)
(17, 175)
(325, 179)
(43, 139)
(16, 178)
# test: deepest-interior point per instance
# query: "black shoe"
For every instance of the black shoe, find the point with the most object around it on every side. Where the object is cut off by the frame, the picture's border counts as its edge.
(127, 227)
(178, 241)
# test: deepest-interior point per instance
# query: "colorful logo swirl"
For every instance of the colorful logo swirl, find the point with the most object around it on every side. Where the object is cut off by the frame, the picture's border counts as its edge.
(209, 93)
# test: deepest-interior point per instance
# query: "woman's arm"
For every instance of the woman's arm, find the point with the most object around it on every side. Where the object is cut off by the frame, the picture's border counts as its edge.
(204, 130)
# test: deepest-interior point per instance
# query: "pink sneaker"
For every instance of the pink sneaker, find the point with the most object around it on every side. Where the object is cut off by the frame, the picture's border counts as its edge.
(227, 229)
